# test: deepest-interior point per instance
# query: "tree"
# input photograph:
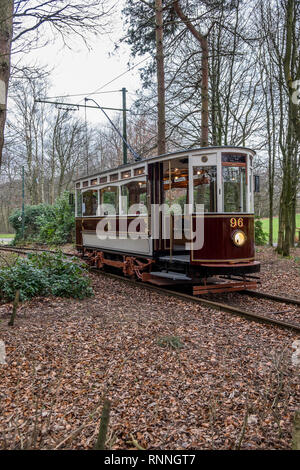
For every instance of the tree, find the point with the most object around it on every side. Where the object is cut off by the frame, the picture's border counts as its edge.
(217, 88)
(23, 21)
(6, 33)
(161, 118)
(202, 39)
(291, 60)
(278, 24)
(66, 151)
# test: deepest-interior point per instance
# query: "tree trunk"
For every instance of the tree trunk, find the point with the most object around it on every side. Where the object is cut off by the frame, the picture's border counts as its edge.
(204, 68)
(161, 119)
(280, 228)
(104, 423)
(291, 64)
(6, 30)
(204, 94)
(15, 308)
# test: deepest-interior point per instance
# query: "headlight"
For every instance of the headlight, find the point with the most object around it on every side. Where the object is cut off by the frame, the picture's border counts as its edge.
(239, 238)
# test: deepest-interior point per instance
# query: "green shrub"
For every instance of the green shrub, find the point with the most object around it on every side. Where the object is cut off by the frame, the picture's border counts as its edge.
(31, 227)
(45, 274)
(54, 225)
(58, 226)
(24, 276)
(260, 235)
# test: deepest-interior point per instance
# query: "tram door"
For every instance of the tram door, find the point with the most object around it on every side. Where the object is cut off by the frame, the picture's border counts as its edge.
(161, 222)
(204, 195)
(155, 179)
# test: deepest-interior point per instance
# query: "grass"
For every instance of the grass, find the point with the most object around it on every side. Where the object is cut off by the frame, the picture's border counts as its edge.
(7, 235)
(173, 342)
(275, 226)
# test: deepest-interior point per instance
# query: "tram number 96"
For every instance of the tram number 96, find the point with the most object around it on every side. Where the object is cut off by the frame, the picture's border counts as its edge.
(236, 222)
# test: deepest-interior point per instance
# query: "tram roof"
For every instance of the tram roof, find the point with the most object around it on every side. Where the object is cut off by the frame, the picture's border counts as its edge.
(163, 157)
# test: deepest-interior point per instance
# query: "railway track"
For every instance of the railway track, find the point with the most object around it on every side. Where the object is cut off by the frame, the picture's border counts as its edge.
(216, 305)
(26, 250)
(235, 310)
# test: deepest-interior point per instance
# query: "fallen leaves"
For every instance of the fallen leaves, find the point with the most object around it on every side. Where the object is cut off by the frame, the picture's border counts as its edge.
(64, 357)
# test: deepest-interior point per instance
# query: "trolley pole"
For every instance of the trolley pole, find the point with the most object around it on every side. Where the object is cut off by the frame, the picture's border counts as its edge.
(23, 201)
(124, 125)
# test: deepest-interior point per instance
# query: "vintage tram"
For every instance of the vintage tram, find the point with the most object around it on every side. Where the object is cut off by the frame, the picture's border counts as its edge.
(183, 217)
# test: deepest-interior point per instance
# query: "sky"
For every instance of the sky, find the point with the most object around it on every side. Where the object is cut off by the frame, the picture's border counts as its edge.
(83, 71)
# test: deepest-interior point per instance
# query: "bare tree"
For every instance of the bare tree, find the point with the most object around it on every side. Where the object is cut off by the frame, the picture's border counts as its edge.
(161, 118)
(25, 24)
(278, 23)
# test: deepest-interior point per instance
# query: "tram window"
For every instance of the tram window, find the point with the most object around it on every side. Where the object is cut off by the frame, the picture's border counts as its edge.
(89, 203)
(234, 181)
(176, 190)
(205, 187)
(109, 195)
(133, 193)
(78, 203)
(233, 158)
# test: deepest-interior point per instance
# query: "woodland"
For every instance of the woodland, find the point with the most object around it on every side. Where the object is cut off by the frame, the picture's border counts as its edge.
(216, 73)
(89, 360)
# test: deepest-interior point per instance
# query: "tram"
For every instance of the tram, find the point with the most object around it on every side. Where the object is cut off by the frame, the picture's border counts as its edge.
(182, 217)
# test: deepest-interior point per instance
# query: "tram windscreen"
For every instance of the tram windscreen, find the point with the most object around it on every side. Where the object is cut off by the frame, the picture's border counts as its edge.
(234, 189)
(205, 187)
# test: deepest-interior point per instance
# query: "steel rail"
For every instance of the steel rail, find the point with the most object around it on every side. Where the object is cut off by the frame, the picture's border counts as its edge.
(25, 250)
(266, 295)
(208, 303)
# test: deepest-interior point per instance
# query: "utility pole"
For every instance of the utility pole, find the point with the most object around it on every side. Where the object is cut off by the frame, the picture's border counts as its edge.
(135, 155)
(123, 136)
(86, 142)
(124, 125)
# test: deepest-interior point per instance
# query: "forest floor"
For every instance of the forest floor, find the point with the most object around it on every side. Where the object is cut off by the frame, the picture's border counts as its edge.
(229, 384)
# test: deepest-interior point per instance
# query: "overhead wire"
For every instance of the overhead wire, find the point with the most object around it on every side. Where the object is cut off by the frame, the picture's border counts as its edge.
(80, 94)
(116, 78)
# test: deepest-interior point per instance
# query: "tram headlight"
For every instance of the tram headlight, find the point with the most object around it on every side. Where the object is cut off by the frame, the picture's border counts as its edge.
(239, 238)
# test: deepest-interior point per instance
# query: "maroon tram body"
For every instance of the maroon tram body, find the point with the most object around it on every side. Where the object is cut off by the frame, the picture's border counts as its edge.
(152, 233)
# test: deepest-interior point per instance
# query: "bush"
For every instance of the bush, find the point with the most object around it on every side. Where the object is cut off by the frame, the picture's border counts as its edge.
(58, 226)
(53, 225)
(260, 235)
(31, 227)
(42, 275)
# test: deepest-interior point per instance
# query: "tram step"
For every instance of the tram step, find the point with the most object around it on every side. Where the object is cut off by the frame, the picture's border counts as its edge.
(171, 275)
